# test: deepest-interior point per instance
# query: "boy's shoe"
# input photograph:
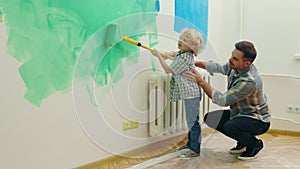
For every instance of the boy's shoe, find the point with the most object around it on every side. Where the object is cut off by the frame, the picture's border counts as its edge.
(189, 154)
(250, 153)
(238, 149)
(182, 148)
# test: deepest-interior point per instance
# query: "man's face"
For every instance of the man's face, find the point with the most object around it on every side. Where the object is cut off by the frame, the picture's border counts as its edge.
(237, 62)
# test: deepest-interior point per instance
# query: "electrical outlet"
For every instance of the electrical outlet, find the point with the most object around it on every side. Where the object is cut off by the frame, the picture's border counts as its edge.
(129, 124)
(296, 109)
(290, 108)
(293, 108)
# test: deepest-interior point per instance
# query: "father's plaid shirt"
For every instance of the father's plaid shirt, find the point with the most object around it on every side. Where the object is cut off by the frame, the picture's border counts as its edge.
(180, 86)
(245, 92)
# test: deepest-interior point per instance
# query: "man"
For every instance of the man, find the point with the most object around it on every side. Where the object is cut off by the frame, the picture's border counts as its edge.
(249, 114)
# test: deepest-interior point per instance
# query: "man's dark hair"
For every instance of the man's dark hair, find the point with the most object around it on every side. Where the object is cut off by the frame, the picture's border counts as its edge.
(248, 49)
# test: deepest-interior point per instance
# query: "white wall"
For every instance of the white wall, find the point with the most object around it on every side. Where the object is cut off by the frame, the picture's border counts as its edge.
(271, 24)
(51, 136)
(283, 91)
(275, 28)
(224, 26)
(38, 137)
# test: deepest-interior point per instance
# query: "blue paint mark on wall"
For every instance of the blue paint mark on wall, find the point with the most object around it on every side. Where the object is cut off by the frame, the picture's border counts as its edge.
(157, 4)
(192, 14)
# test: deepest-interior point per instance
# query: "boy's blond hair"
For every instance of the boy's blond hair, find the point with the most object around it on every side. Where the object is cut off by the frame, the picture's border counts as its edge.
(193, 39)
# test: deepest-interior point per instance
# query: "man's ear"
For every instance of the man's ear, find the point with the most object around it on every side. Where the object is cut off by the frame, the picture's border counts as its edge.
(247, 63)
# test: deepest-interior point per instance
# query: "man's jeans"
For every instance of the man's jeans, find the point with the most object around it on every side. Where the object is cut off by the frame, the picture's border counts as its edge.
(241, 129)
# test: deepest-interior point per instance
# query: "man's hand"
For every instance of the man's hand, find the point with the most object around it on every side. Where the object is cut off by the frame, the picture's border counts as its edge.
(194, 75)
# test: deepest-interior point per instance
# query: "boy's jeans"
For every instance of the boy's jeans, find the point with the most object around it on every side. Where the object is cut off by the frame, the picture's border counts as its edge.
(192, 118)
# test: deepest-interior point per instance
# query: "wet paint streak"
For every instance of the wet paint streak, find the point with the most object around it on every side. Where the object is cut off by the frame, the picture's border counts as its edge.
(1, 15)
(47, 37)
(192, 14)
(157, 4)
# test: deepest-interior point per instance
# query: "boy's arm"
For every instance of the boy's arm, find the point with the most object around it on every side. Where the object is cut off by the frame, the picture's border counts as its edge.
(164, 65)
(168, 55)
(171, 53)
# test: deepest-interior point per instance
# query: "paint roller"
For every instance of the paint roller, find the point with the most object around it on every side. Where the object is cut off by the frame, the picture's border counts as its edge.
(113, 35)
(125, 38)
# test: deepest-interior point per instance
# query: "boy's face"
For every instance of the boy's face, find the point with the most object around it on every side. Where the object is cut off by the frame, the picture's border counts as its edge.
(182, 45)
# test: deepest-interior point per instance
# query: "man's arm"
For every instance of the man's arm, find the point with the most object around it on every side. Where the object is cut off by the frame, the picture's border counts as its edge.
(233, 95)
(213, 67)
(200, 64)
(206, 88)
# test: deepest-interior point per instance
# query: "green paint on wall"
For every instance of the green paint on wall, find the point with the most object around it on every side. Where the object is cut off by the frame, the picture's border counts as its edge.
(48, 36)
(1, 15)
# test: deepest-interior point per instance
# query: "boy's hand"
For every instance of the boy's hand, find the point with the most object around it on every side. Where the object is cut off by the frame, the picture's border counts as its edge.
(155, 53)
(168, 55)
(163, 56)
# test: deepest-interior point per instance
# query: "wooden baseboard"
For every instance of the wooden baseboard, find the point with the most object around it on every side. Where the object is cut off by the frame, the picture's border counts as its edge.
(284, 132)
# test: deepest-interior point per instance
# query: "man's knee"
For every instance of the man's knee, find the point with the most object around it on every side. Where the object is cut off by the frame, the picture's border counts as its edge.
(216, 119)
(212, 119)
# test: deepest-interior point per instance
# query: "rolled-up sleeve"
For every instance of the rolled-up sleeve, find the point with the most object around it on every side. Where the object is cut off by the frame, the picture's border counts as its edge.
(218, 99)
(213, 67)
(233, 95)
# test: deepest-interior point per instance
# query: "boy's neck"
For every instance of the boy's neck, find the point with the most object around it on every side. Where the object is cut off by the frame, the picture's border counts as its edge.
(183, 51)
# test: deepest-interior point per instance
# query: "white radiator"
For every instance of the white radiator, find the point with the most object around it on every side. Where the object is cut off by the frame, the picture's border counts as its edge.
(168, 117)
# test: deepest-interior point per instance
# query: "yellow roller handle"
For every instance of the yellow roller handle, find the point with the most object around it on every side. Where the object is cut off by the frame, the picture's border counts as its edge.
(125, 38)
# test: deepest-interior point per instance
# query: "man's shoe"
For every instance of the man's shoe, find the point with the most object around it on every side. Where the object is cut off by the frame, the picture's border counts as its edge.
(182, 148)
(189, 154)
(250, 153)
(238, 149)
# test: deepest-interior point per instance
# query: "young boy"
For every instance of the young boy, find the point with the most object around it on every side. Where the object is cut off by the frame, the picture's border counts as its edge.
(190, 44)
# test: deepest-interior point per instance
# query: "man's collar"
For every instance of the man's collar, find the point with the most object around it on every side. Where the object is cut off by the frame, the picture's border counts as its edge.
(236, 74)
